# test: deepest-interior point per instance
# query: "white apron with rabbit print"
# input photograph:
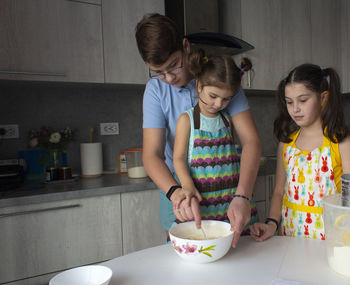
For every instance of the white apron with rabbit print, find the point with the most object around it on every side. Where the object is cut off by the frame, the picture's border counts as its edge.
(309, 177)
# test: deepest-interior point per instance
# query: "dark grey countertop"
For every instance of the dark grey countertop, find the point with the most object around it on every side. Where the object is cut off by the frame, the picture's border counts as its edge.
(34, 192)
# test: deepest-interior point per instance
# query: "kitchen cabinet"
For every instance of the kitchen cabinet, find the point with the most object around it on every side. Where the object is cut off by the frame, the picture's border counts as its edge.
(49, 237)
(123, 63)
(288, 33)
(325, 35)
(296, 34)
(39, 240)
(140, 220)
(345, 44)
(96, 2)
(261, 26)
(53, 40)
(263, 190)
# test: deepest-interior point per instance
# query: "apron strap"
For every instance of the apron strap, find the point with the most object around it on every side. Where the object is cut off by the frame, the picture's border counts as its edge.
(196, 117)
(227, 124)
(197, 120)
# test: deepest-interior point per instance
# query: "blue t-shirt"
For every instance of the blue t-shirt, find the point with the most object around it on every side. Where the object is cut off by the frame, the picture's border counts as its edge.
(163, 104)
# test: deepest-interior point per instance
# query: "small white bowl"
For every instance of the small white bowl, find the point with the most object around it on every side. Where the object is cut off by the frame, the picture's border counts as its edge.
(189, 242)
(89, 275)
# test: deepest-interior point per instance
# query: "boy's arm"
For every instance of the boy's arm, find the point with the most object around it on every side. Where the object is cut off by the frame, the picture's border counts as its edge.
(182, 135)
(153, 158)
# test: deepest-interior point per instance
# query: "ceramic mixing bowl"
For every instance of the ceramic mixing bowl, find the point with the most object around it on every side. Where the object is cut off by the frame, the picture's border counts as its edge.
(90, 274)
(195, 246)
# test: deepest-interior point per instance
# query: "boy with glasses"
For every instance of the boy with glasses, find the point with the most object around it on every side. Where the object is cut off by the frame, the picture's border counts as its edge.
(170, 92)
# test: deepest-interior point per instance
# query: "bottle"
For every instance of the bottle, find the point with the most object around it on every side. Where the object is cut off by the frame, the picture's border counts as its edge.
(122, 163)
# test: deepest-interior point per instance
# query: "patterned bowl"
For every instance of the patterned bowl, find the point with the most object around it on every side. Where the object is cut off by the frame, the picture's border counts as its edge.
(190, 244)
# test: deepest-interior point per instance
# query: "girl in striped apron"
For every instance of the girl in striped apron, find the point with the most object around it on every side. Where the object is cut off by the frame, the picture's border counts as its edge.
(313, 153)
(206, 160)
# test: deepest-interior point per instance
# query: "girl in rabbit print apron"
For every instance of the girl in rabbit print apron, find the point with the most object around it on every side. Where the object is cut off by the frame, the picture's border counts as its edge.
(310, 177)
(313, 152)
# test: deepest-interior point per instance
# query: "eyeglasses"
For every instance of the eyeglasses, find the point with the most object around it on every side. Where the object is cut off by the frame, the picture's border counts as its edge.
(162, 75)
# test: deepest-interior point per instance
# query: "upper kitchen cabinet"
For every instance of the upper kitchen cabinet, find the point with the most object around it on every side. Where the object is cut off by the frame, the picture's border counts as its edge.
(53, 40)
(345, 44)
(262, 28)
(123, 63)
(325, 31)
(96, 2)
(296, 34)
(288, 33)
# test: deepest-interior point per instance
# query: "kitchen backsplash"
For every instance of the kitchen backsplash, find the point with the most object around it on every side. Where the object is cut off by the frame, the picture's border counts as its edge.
(81, 106)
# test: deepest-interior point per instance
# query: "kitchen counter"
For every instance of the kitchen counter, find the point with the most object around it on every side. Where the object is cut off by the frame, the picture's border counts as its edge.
(33, 192)
(273, 261)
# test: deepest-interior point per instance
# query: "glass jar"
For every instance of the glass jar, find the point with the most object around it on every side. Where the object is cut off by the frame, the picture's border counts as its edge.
(134, 163)
(337, 228)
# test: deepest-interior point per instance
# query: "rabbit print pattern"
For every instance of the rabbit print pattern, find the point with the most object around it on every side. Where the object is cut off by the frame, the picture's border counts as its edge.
(310, 177)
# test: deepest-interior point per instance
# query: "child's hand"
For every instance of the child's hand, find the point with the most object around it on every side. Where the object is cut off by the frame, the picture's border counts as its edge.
(185, 212)
(261, 232)
(191, 191)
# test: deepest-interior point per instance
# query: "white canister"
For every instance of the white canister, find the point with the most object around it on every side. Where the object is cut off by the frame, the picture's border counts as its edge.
(91, 159)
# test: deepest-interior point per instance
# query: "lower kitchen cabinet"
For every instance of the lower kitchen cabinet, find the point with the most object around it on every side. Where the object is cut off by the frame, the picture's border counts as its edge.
(263, 190)
(49, 237)
(140, 221)
(38, 241)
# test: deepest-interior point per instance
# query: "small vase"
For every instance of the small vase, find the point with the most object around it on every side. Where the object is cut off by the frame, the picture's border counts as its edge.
(55, 158)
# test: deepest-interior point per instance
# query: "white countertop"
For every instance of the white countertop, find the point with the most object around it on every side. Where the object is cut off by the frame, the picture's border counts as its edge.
(292, 259)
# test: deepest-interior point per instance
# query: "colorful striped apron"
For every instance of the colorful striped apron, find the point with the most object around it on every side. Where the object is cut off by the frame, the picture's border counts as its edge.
(214, 168)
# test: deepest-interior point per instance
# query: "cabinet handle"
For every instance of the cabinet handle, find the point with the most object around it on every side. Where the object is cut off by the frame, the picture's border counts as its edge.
(32, 73)
(39, 210)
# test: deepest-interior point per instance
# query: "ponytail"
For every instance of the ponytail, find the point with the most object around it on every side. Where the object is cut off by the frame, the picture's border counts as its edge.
(332, 114)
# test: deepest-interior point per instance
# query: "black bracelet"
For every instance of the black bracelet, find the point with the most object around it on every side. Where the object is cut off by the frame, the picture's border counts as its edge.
(172, 190)
(240, 196)
(272, 220)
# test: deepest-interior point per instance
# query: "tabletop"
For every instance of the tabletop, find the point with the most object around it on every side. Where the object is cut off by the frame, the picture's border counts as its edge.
(274, 261)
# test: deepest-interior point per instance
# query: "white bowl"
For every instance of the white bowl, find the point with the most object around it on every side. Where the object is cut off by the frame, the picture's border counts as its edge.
(189, 242)
(87, 275)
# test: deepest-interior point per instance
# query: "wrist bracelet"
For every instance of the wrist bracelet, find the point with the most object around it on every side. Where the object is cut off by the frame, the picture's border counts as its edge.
(172, 190)
(272, 220)
(240, 196)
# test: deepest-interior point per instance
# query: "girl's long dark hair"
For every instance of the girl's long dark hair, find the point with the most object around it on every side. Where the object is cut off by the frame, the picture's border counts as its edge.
(317, 80)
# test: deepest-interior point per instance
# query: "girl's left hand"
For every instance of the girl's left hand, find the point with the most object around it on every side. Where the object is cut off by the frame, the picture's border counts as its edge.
(261, 232)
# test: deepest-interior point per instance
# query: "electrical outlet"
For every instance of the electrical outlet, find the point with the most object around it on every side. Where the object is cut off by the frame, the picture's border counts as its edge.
(107, 129)
(9, 131)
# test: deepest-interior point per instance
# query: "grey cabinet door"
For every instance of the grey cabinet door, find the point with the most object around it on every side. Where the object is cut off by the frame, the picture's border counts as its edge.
(49, 237)
(262, 27)
(140, 220)
(123, 63)
(296, 34)
(51, 41)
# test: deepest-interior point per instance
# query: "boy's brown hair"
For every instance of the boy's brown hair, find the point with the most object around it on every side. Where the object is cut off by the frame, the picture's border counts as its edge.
(157, 37)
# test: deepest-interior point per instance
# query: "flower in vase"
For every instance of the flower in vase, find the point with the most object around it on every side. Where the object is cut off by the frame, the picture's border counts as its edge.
(33, 142)
(50, 139)
(55, 137)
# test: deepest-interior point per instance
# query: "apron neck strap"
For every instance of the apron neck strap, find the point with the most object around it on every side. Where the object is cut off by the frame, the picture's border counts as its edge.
(197, 119)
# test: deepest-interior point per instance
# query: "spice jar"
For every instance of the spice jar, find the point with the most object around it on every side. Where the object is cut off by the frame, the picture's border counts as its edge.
(65, 173)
